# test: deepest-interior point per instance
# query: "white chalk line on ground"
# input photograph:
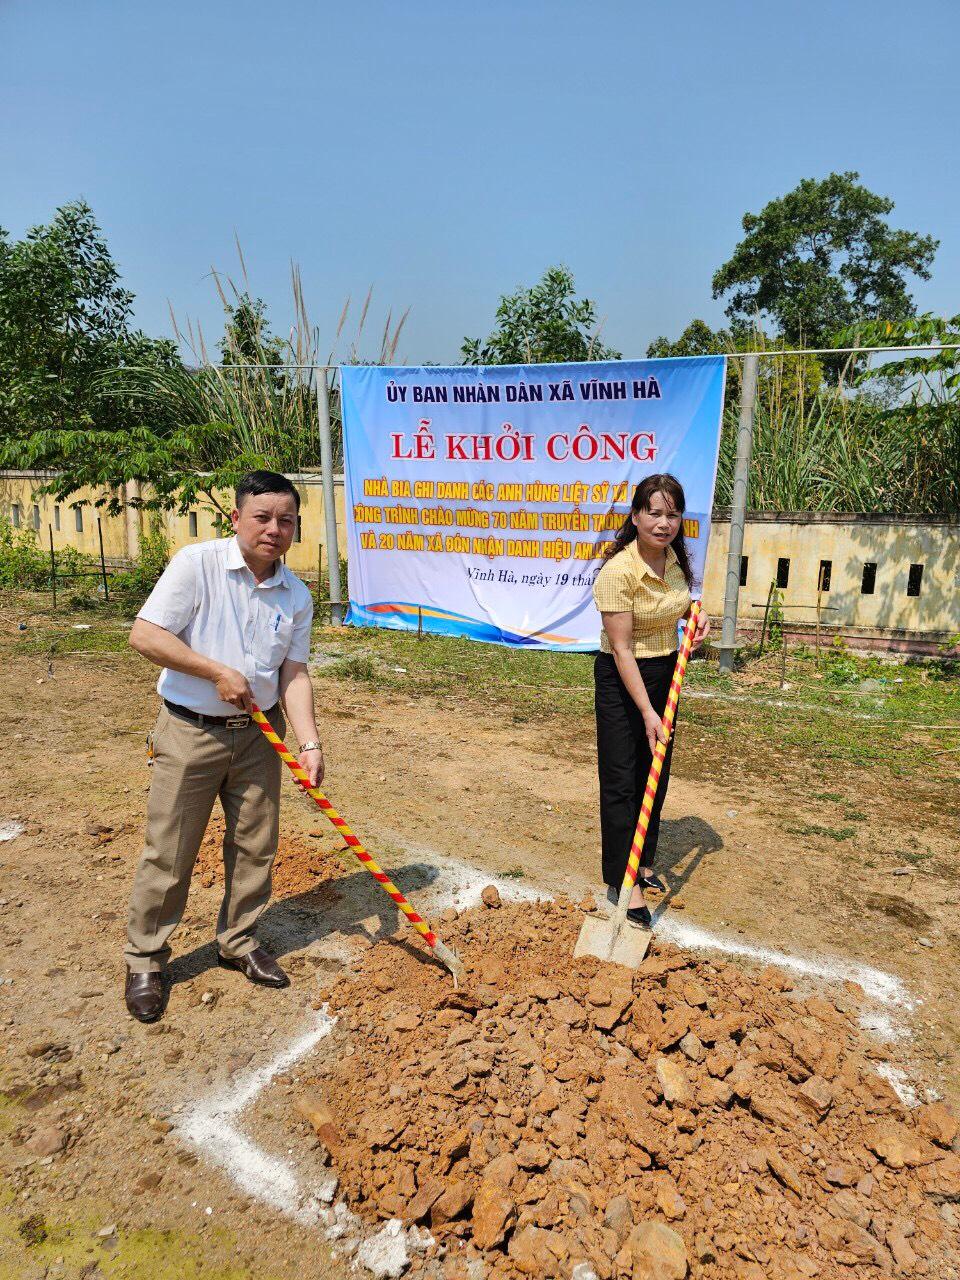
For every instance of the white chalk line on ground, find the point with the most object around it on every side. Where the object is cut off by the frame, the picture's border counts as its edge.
(209, 1124)
(882, 1026)
(212, 1122)
(883, 987)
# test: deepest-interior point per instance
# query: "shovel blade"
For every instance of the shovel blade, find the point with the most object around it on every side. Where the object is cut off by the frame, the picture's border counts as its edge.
(597, 939)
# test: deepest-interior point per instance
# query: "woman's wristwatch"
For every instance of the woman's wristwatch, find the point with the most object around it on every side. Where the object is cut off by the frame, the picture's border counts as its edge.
(310, 746)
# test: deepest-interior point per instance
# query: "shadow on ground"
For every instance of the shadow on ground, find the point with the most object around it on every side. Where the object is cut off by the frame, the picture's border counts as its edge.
(353, 906)
(683, 844)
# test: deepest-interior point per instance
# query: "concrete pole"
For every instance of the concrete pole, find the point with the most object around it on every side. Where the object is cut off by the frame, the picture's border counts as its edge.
(132, 516)
(738, 512)
(329, 507)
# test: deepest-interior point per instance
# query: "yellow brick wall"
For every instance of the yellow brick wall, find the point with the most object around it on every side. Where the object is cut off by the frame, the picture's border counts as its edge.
(20, 489)
(847, 542)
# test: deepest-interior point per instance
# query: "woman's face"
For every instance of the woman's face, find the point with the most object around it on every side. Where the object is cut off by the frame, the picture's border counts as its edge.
(657, 527)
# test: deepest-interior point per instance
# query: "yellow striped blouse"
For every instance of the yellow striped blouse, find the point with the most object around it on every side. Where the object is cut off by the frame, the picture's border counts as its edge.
(627, 584)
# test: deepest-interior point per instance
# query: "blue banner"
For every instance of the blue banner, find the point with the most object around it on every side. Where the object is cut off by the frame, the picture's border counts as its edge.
(479, 501)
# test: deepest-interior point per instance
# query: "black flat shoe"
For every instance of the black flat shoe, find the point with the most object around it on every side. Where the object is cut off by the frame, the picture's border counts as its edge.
(640, 916)
(652, 882)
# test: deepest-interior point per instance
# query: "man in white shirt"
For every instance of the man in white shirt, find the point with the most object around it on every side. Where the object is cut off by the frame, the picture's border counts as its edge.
(230, 626)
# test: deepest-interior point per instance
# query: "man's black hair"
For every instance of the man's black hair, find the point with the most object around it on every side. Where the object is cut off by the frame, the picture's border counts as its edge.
(255, 483)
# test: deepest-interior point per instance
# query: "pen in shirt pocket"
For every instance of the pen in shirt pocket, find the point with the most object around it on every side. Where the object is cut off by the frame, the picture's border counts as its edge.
(276, 625)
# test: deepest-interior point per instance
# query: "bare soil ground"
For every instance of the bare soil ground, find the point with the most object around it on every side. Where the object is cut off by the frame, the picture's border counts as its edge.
(749, 851)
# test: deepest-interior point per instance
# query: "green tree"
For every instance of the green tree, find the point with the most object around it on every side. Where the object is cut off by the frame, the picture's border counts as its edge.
(793, 376)
(64, 318)
(67, 355)
(821, 258)
(544, 324)
(697, 339)
(185, 434)
(247, 337)
(198, 459)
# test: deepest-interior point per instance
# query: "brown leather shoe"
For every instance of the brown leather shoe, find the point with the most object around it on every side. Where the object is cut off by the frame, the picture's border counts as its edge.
(144, 995)
(256, 966)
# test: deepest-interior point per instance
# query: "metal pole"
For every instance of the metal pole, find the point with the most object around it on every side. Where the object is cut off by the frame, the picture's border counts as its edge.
(768, 354)
(132, 519)
(329, 509)
(103, 564)
(738, 512)
(766, 615)
(53, 567)
(819, 610)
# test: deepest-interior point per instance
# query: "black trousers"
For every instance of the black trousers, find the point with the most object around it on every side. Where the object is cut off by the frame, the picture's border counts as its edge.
(624, 759)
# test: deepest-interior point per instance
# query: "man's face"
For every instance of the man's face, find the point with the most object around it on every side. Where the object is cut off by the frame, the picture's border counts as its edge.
(265, 525)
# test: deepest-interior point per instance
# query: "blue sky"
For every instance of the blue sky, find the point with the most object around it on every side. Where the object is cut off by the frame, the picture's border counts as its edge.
(446, 153)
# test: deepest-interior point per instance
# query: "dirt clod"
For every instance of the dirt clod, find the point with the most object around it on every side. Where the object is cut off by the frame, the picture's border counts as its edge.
(673, 1081)
(494, 1213)
(816, 1096)
(47, 1141)
(659, 1252)
(938, 1123)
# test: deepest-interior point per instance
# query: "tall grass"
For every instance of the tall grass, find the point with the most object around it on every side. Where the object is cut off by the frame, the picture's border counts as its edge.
(818, 446)
(256, 406)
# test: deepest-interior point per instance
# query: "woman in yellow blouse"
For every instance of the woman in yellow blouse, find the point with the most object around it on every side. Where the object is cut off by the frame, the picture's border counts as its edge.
(642, 592)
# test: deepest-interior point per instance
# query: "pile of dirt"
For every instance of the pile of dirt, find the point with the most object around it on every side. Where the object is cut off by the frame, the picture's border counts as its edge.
(565, 1117)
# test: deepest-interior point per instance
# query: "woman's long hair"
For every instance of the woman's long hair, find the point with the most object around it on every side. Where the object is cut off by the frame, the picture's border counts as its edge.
(671, 488)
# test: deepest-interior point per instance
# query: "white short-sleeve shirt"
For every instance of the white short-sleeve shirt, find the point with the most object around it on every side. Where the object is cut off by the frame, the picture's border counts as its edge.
(208, 597)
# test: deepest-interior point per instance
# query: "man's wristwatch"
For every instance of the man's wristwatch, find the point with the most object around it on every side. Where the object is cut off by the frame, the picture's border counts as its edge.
(310, 746)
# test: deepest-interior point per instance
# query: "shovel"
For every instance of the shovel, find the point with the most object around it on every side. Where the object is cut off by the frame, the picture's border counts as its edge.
(444, 954)
(603, 935)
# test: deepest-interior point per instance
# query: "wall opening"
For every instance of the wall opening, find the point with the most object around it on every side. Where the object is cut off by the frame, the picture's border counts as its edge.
(78, 519)
(56, 518)
(193, 524)
(744, 561)
(868, 582)
(783, 572)
(823, 577)
(914, 578)
(15, 515)
(299, 534)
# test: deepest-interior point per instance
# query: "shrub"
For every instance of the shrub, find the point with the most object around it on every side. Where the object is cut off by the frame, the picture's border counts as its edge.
(22, 563)
(25, 565)
(840, 667)
(130, 588)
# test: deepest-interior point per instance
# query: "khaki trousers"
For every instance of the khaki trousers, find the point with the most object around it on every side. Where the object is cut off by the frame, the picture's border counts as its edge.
(191, 768)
